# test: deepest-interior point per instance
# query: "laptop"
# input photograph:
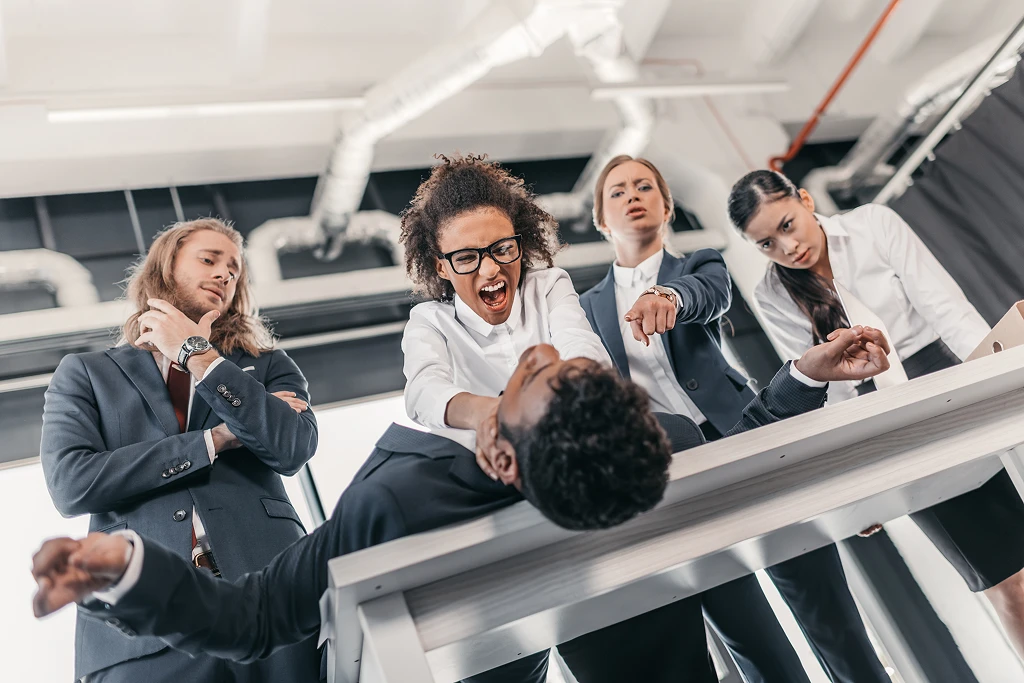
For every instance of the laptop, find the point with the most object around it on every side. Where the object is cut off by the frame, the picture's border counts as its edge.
(859, 314)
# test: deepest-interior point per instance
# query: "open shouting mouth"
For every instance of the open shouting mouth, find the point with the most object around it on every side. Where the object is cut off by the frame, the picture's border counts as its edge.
(495, 296)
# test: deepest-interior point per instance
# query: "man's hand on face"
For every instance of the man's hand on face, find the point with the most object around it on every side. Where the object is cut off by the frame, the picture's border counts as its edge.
(68, 571)
(165, 328)
(849, 354)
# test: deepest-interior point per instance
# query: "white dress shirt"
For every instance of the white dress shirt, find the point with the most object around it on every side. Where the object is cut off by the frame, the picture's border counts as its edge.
(875, 254)
(164, 364)
(449, 349)
(649, 366)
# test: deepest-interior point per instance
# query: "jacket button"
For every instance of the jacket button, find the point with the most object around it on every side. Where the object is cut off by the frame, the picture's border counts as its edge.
(221, 388)
(236, 402)
(179, 515)
(228, 395)
(165, 474)
(185, 465)
(692, 385)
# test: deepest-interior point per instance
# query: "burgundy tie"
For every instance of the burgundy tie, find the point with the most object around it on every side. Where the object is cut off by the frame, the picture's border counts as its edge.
(179, 386)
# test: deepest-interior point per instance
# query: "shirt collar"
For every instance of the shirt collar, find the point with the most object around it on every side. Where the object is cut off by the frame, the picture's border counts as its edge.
(644, 271)
(831, 225)
(469, 318)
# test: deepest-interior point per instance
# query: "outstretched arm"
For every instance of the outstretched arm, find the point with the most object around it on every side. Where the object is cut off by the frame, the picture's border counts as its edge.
(849, 354)
(195, 612)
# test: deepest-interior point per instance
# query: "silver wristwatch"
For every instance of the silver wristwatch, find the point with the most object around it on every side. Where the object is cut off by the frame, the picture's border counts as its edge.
(192, 346)
(665, 292)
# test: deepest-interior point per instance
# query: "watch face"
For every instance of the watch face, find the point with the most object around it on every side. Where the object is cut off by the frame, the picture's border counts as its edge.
(198, 343)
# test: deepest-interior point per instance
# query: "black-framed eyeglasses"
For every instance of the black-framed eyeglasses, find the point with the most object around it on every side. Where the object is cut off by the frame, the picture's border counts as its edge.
(504, 251)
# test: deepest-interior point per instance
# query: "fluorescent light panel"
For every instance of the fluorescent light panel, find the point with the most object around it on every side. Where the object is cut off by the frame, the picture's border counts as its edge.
(686, 89)
(177, 111)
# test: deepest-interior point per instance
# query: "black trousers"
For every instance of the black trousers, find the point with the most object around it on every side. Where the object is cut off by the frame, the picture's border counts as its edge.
(814, 588)
(981, 532)
(666, 645)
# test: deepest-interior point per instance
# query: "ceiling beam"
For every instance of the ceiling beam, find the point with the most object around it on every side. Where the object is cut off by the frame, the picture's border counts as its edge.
(3, 52)
(251, 39)
(773, 28)
(849, 10)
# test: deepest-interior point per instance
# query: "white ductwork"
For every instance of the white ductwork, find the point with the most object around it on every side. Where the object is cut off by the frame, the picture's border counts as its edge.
(70, 280)
(601, 41)
(507, 31)
(865, 164)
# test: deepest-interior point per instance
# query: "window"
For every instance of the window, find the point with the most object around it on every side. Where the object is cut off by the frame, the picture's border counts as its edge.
(348, 434)
(34, 650)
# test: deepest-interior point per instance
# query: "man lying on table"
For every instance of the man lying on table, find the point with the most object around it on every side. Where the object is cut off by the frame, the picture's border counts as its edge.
(577, 441)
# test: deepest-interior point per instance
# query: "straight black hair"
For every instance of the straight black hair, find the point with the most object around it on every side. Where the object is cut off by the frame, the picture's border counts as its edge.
(811, 292)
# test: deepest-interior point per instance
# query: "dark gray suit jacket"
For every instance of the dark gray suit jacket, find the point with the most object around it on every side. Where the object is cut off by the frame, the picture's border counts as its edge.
(111, 448)
(694, 344)
(412, 482)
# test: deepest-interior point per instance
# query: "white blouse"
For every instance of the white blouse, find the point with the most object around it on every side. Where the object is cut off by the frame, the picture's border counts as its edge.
(449, 349)
(876, 255)
(649, 366)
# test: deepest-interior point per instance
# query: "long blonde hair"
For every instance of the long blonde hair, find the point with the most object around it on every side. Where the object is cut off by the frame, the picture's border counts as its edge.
(240, 328)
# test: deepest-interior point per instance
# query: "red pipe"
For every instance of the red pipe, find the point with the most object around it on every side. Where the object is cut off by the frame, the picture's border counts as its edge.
(775, 163)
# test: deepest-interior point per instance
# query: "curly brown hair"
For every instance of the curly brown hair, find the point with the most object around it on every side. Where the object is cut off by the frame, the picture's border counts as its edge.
(468, 183)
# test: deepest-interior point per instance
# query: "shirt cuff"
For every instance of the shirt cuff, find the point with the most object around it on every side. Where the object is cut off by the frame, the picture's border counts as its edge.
(216, 361)
(679, 298)
(210, 450)
(132, 572)
(804, 378)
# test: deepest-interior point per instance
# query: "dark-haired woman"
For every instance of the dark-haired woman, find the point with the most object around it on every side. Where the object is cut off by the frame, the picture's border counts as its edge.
(658, 316)
(479, 247)
(875, 254)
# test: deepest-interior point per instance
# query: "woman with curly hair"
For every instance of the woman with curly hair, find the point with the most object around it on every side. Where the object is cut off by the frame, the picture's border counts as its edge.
(481, 249)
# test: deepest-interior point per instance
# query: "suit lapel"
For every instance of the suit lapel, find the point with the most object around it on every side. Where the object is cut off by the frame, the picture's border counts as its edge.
(201, 411)
(671, 268)
(607, 316)
(140, 368)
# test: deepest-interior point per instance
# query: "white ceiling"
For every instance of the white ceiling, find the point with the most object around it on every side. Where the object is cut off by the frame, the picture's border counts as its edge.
(69, 54)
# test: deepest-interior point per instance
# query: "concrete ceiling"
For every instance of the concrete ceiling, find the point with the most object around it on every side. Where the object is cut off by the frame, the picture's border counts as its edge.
(69, 55)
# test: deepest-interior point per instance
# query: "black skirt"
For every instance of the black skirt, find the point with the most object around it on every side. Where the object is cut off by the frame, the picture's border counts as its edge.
(981, 533)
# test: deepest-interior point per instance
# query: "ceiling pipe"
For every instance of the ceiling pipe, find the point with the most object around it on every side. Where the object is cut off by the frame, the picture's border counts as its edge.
(507, 31)
(70, 281)
(865, 164)
(776, 163)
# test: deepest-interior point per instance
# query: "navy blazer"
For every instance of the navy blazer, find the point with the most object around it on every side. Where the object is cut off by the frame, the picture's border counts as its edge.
(111, 448)
(412, 482)
(718, 390)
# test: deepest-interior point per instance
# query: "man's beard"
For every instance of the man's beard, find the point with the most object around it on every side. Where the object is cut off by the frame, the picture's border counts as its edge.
(193, 310)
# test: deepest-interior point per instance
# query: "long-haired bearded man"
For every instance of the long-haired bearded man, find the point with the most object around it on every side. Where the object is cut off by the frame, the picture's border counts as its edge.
(182, 431)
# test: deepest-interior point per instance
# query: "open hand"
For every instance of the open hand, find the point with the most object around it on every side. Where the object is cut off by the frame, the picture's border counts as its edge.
(292, 399)
(849, 354)
(165, 328)
(68, 571)
(651, 314)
